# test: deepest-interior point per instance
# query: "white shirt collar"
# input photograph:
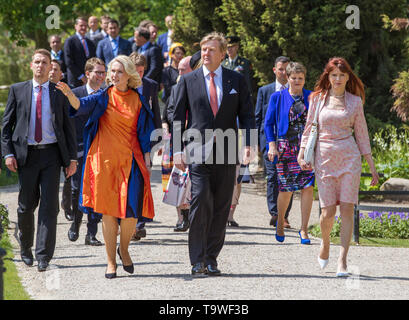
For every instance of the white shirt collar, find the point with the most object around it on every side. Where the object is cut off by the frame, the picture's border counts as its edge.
(117, 38)
(80, 36)
(44, 85)
(279, 85)
(233, 60)
(89, 89)
(218, 71)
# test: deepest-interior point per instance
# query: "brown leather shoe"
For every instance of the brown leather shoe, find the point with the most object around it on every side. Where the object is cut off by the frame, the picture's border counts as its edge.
(286, 224)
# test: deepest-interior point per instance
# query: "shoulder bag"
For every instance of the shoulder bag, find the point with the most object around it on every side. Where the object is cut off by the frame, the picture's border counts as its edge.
(309, 152)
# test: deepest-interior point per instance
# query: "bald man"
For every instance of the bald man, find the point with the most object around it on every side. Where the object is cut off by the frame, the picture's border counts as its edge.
(94, 33)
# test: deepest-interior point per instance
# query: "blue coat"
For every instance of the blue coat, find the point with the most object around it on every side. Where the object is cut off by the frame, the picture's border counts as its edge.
(104, 49)
(94, 106)
(279, 120)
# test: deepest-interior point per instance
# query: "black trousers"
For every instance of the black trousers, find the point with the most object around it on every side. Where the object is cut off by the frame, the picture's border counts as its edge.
(39, 181)
(70, 199)
(212, 190)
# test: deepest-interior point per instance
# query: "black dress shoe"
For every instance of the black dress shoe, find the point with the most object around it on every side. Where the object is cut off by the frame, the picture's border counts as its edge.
(68, 215)
(74, 231)
(199, 270)
(141, 233)
(273, 221)
(232, 223)
(42, 265)
(27, 257)
(92, 241)
(111, 275)
(130, 268)
(182, 227)
(212, 270)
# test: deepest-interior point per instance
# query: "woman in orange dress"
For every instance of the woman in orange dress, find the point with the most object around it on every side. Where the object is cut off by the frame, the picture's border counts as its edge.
(116, 173)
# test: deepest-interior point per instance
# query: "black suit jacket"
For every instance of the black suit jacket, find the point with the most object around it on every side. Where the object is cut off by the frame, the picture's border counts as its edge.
(150, 92)
(191, 98)
(75, 59)
(154, 60)
(16, 120)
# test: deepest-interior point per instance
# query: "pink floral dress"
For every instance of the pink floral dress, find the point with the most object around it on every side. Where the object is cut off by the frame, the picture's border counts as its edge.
(338, 155)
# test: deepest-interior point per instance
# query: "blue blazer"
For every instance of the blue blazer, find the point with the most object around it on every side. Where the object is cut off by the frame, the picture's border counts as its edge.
(277, 114)
(94, 107)
(104, 49)
(263, 98)
(162, 42)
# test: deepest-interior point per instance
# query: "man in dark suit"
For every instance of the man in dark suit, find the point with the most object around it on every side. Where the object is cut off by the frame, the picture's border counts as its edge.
(56, 51)
(151, 52)
(95, 73)
(211, 99)
(237, 63)
(263, 98)
(113, 45)
(164, 40)
(149, 90)
(38, 138)
(77, 50)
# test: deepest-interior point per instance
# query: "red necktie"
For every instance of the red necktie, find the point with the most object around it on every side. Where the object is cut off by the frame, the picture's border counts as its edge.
(38, 136)
(85, 46)
(213, 94)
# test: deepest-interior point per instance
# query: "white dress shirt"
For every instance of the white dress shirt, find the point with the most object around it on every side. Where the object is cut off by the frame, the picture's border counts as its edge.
(48, 133)
(279, 85)
(218, 81)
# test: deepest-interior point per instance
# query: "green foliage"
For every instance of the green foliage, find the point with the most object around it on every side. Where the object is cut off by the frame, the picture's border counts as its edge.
(308, 31)
(4, 217)
(390, 225)
(194, 19)
(14, 62)
(400, 91)
(390, 152)
(27, 19)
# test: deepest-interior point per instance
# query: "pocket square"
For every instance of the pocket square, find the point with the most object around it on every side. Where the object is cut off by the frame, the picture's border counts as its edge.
(233, 91)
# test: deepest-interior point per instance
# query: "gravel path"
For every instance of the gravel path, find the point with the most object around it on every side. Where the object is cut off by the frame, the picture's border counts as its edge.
(254, 265)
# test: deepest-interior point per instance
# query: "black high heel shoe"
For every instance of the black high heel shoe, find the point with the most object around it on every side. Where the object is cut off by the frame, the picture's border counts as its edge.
(129, 269)
(111, 275)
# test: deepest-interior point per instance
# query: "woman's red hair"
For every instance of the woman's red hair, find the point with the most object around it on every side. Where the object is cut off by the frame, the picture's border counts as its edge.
(354, 84)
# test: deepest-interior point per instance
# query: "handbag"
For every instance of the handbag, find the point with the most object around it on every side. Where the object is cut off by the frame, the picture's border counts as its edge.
(309, 151)
(178, 189)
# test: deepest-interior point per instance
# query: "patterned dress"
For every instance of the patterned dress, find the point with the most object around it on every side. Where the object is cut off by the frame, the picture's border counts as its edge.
(338, 155)
(290, 175)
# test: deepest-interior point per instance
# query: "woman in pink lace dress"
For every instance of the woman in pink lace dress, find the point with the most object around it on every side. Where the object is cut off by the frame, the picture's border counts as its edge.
(340, 96)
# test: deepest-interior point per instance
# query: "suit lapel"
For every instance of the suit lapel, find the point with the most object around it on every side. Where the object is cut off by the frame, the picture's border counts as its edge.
(202, 88)
(28, 94)
(227, 84)
(53, 97)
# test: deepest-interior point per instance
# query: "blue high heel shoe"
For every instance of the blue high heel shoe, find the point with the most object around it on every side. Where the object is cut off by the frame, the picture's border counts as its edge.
(304, 241)
(280, 238)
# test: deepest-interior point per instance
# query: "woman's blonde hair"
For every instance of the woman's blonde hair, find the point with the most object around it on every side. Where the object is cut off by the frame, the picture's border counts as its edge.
(134, 78)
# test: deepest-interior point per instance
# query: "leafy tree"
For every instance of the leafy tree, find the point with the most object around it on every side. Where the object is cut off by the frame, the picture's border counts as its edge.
(27, 19)
(307, 31)
(194, 19)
